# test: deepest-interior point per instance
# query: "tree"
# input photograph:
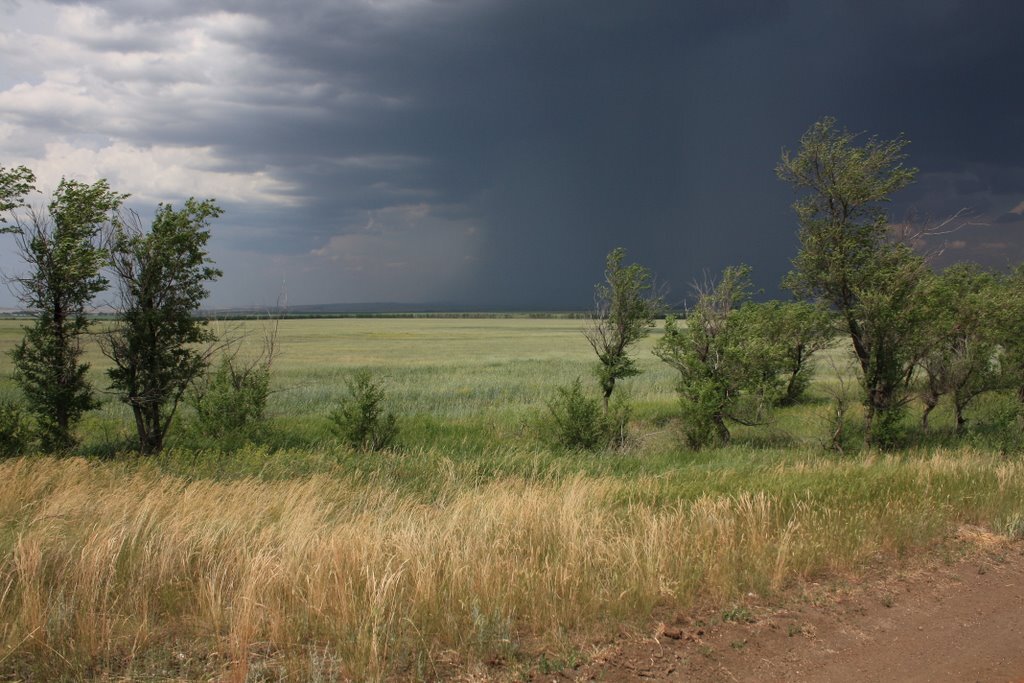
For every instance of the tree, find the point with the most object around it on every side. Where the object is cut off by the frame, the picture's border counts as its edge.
(61, 249)
(848, 260)
(1012, 323)
(154, 345)
(798, 330)
(15, 184)
(626, 305)
(727, 365)
(961, 339)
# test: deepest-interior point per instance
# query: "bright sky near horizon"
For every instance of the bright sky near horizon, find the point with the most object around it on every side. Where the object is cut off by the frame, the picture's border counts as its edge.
(490, 152)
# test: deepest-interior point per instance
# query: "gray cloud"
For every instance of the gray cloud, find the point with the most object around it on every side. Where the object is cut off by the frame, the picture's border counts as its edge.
(492, 152)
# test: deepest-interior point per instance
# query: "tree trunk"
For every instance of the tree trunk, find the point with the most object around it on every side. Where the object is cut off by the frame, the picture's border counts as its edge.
(869, 417)
(930, 402)
(961, 421)
(723, 432)
(789, 398)
(608, 386)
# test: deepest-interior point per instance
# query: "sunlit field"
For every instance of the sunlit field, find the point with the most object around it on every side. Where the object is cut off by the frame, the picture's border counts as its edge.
(474, 547)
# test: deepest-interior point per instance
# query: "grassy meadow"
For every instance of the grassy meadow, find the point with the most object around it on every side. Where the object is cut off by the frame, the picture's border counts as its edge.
(473, 549)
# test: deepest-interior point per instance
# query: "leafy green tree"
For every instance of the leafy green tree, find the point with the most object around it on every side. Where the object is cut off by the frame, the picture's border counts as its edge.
(61, 248)
(848, 260)
(727, 365)
(156, 343)
(961, 338)
(795, 331)
(1011, 321)
(626, 305)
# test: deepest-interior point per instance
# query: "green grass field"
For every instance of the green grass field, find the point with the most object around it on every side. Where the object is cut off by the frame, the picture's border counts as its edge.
(468, 386)
(473, 548)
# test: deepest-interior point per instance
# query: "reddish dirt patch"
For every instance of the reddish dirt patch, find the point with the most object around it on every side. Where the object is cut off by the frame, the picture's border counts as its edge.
(961, 619)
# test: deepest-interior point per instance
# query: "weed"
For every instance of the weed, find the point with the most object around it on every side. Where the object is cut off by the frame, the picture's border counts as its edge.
(738, 614)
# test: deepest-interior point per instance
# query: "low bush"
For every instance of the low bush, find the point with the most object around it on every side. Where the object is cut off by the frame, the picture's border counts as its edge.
(361, 419)
(232, 401)
(14, 430)
(578, 422)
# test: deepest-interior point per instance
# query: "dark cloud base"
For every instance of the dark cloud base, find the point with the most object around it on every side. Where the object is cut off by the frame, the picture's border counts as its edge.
(526, 139)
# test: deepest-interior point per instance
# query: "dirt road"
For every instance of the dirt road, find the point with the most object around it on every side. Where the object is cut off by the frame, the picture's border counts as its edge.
(953, 620)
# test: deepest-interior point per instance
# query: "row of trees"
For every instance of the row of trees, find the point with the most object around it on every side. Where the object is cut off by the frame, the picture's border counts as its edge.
(83, 237)
(913, 331)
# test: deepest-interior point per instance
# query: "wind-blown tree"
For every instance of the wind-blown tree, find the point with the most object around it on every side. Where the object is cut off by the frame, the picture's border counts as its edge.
(726, 361)
(155, 344)
(848, 260)
(961, 339)
(797, 330)
(15, 184)
(626, 304)
(61, 248)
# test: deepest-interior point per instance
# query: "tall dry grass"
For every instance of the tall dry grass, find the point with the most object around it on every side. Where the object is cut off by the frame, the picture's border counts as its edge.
(139, 574)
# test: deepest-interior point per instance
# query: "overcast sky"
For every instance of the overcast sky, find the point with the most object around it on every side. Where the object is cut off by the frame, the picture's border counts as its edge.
(491, 152)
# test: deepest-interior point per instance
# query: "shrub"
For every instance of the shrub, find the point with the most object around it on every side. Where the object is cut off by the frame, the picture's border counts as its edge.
(14, 430)
(1000, 426)
(232, 402)
(579, 421)
(361, 419)
(887, 429)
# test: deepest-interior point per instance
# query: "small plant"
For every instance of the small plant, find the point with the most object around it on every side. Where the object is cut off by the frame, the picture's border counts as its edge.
(361, 419)
(836, 418)
(14, 430)
(738, 614)
(579, 421)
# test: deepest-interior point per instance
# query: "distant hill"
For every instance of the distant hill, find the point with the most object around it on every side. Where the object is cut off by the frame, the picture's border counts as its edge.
(373, 309)
(384, 308)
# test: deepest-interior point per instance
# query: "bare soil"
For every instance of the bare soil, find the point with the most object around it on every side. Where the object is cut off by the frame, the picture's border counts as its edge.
(957, 615)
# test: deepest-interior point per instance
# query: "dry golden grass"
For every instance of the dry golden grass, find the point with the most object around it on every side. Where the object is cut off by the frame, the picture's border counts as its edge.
(139, 574)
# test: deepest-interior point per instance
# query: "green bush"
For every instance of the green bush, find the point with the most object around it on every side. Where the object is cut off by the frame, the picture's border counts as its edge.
(888, 428)
(14, 430)
(700, 411)
(579, 421)
(232, 402)
(361, 419)
(1000, 426)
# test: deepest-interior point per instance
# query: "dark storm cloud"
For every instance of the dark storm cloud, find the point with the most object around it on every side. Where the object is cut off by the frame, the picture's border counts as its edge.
(492, 152)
